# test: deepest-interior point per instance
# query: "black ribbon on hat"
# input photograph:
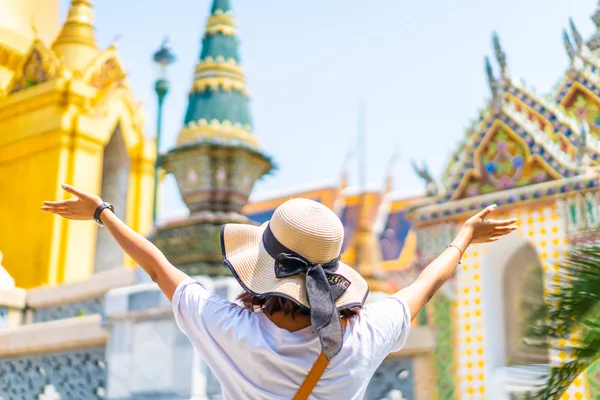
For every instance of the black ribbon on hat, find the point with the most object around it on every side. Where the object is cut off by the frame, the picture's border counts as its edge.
(323, 288)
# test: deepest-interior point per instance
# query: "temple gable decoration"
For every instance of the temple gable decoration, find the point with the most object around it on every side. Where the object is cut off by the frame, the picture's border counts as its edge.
(37, 66)
(502, 161)
(105, 70)
(518, 140)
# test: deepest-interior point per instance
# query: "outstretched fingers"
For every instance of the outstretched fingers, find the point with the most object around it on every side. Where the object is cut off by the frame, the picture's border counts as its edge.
(507, 228)
(63, 213)
(502, 232)
(73, 190)
(486, 211)
(48, 208)
(502, 222)
(57, 205)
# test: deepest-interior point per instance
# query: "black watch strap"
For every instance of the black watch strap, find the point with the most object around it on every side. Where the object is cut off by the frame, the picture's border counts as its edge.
(99, 210)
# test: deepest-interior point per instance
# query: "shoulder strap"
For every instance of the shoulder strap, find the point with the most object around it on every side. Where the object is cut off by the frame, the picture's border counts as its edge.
(315, 374)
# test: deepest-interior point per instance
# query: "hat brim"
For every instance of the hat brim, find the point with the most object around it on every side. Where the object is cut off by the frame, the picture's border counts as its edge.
(254, 269)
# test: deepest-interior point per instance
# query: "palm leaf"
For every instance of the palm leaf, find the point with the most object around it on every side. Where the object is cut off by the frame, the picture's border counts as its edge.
(573, 308)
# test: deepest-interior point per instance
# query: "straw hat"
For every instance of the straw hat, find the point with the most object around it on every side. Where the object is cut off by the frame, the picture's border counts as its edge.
(303, 231)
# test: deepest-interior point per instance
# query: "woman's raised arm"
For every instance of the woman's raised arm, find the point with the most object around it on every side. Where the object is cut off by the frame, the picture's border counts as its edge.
(477, 229)
(144, 253)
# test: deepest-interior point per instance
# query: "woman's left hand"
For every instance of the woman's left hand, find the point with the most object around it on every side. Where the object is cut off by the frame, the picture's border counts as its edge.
(483, 230)
(81, 207)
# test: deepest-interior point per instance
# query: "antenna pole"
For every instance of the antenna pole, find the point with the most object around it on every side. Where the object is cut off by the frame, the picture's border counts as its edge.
(362, 146)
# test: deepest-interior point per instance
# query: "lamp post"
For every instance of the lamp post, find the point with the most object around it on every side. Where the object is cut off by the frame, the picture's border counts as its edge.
(163, 57)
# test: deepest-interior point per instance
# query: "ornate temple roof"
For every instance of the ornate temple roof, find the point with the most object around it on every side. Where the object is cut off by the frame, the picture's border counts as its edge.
(524, 147)
(218, 100)
(76, 45)
(74, 55)
(594, 42)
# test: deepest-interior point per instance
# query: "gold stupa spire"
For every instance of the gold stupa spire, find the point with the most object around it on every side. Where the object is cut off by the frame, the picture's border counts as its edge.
(76, 45)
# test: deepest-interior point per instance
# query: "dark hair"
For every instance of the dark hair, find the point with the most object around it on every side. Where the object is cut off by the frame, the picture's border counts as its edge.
(273, 304)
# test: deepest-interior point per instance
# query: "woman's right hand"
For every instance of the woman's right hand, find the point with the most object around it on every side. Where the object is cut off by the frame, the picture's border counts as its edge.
(483, 230)
(81, 207)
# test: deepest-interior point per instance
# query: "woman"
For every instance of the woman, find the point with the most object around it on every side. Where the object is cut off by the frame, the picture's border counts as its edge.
(304, 330)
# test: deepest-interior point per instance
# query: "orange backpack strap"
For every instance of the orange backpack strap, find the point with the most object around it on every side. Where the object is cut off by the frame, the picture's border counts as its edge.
(315, 374)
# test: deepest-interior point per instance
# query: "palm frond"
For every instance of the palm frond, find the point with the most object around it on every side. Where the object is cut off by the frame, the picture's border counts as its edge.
(572, 311)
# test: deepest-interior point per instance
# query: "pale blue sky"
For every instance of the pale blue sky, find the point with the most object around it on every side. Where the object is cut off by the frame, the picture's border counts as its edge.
(418, 64)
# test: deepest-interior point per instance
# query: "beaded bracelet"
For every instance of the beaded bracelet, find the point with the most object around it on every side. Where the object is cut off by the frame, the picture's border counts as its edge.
(457, 248)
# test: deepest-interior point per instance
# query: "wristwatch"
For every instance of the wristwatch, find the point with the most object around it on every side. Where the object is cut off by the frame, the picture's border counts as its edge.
(99, 210)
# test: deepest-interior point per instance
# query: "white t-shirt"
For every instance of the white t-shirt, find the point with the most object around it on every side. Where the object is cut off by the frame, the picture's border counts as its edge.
(254, 359)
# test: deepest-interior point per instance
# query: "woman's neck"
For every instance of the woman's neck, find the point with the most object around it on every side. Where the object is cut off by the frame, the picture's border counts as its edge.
(288, 322)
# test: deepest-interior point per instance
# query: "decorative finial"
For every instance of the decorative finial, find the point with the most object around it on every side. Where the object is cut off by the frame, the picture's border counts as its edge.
(500, 55)
(596, 16)
(389, 176)
(431, 188)
(36, 33)
(576, 35)
(490, 76)
(113, 43)
(568, 45)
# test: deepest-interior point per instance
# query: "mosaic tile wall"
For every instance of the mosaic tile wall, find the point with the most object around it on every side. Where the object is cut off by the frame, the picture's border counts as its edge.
(442, 313)
(546, 231)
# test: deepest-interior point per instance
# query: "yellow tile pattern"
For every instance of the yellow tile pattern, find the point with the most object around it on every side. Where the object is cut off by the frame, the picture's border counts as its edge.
(543, 227)
(469, 325)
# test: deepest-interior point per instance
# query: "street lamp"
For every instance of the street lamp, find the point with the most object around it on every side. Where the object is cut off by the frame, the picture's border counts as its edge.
(163, 57)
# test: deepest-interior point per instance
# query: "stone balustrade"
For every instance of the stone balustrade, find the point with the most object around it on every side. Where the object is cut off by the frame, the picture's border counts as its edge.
(12, 304)
(48, 303)
(52, 339)
(66, 357)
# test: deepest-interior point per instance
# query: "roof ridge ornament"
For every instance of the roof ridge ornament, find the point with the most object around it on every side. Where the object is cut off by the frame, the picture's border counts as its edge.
(389, 170)
(432, 188)
(576, 35)
(571, 51)
(499, 52)
(494, 84)
(490, 75)
(34, 29)
(596, 16)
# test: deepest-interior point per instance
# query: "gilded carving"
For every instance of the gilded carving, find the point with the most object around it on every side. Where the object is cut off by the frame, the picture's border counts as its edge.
(38, 66)
(109, 72)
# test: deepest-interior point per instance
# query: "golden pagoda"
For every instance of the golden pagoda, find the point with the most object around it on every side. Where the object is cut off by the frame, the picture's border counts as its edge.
(67, 115)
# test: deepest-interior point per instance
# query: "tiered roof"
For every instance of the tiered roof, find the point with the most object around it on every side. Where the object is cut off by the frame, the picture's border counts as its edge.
(218, 107)
(524, 147)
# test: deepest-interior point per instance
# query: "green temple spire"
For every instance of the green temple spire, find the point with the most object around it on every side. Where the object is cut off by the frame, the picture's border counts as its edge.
(218, 101)
(223, 5)
(217, 160)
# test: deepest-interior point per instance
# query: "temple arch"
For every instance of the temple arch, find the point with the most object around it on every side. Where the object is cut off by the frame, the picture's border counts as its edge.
(116, 166)
(513, 287)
